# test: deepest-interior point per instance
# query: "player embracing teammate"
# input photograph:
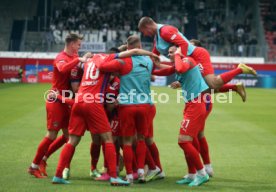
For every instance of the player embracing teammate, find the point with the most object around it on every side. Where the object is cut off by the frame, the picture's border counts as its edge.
(58, 113)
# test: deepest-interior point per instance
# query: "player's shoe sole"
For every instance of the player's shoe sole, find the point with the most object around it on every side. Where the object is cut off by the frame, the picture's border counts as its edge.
(199, 180)
(184, 181)
(247, 70)
(118, 182)
(151, 174)
(241, 91)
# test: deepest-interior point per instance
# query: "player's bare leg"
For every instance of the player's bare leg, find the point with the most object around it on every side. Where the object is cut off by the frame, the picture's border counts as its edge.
(121, 159)
(110, 156)
(216, 82)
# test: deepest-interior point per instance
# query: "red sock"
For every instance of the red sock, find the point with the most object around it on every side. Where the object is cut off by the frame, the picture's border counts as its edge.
(155, 155)
(118, 156)
(105, 162)
(58, 142)
(128, 158)
(110, 156)
(134, 163)
(64, 158)
(229, 75)
(227, 87)
(141, 150)
(191, 155)
(149, 160)
(42, 149)
(95, 150)
(204, 150)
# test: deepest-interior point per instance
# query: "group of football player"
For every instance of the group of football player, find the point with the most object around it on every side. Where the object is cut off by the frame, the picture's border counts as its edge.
(112, 100)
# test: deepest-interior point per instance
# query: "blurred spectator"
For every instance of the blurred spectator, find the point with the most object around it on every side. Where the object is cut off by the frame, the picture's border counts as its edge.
(94, 14)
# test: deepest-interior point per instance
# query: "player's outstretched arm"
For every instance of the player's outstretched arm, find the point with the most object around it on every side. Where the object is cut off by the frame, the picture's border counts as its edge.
(63, 67)
(111, 66)
(133, 52)
(164, 72)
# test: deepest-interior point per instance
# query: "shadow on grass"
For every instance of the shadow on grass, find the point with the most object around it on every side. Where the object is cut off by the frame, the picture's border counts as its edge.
(168, 184)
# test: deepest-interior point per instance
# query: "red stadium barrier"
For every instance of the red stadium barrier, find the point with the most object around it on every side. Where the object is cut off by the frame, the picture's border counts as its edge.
(9, 68)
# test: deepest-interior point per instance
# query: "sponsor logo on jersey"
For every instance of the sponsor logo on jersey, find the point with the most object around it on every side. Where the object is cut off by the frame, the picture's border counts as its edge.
(173, 36)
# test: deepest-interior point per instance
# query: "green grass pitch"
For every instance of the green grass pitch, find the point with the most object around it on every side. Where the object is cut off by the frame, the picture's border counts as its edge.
(242, 141)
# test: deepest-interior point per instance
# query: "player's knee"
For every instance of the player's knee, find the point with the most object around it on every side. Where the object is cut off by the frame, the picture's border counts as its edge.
(127, 140)
(96, 139)
(65, 133)
(52, 134)
(74, 140)
(201, 134)
(218, 82)
(184, 138)
(211, 85)
(140, 137)
(212, 81)
(107, 137)
(149, 141)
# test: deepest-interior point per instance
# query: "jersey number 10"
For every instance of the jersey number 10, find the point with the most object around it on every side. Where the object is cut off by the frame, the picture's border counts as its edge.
(91, 72)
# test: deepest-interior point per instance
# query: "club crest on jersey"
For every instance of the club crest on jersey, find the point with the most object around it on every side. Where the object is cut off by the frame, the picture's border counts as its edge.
(74, 72)
(61, 61)
(200, 67)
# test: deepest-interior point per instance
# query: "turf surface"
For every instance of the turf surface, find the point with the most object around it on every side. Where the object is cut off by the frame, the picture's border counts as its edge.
(242, 141)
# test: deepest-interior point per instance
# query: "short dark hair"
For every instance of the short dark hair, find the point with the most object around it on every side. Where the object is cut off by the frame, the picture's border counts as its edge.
(196, 42)
(133, 40)
(72, 37)
(114, 50)
(144, 21)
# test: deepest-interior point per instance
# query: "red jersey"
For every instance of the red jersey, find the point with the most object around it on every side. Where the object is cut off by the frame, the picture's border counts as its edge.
(94, 82)
(171, 35)
(62, 70)
(122, 66)
(114, 87)
(76, 74)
